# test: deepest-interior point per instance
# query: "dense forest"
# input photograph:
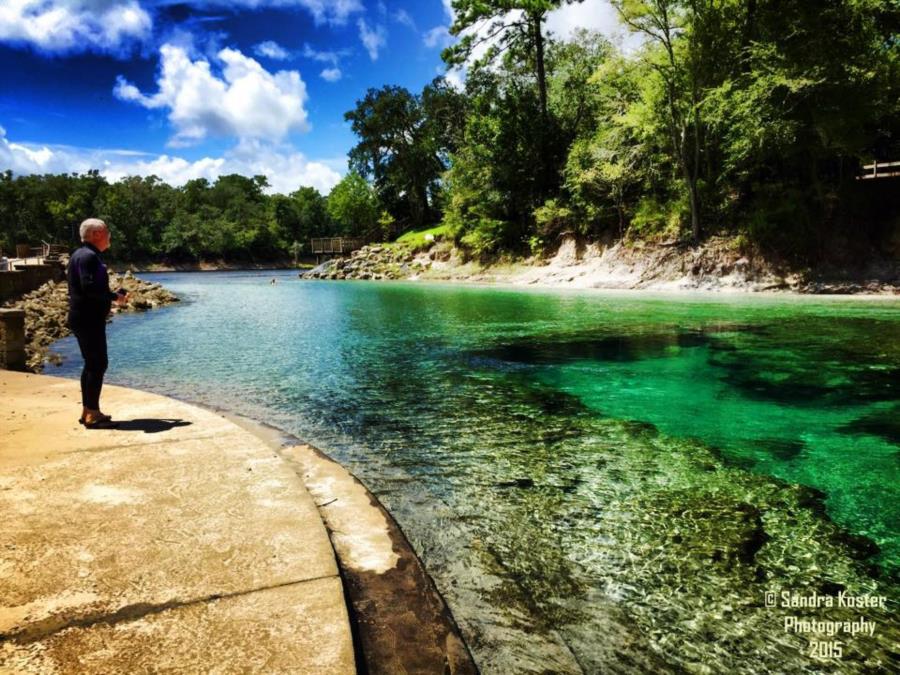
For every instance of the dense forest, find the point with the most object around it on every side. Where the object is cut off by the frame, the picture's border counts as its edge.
(230, 219)
(745, 118)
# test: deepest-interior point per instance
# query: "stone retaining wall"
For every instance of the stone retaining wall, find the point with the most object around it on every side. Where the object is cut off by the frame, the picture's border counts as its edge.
(27, 278)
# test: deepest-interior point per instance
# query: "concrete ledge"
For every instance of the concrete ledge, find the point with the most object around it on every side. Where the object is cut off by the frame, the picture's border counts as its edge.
(178, 542)
(402, 623)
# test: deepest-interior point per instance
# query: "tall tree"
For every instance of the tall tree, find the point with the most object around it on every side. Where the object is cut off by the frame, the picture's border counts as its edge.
(665, 22)
(514, 27)
(403, 144)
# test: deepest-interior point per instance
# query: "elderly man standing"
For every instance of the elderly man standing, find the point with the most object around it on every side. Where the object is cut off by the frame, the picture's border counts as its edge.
(90, 300)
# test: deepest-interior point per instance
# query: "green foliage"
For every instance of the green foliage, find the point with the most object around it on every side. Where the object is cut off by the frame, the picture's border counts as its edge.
(611, 165)
(403, 144)
(386, 225)
(486, 237)
(232, 218)
(655, 220)
(552, 219)
(299, 217)
(536, 245)
(495, 181)
(353, 206)
(471, 215)
(574, 91)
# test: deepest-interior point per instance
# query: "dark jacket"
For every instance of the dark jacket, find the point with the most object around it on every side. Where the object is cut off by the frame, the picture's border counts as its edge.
(89, 296)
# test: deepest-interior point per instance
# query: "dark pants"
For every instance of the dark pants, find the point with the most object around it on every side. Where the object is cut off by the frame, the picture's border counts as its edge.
(92, 342)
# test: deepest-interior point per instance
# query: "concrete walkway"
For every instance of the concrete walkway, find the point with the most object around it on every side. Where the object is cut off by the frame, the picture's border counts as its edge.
(179, 542)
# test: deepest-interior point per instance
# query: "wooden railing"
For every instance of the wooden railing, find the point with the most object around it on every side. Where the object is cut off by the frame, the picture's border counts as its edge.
(53, 251)
(46, 252)
(335, 245)
(880, 170)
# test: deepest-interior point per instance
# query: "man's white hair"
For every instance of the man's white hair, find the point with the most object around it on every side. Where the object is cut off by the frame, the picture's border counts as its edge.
(89, 226)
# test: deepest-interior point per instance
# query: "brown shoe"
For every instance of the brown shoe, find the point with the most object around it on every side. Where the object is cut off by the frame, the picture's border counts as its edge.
(99, 417)
(102, 423)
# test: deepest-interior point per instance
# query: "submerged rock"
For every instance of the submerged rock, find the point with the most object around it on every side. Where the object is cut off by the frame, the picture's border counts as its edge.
(517, 483)
(723, 531)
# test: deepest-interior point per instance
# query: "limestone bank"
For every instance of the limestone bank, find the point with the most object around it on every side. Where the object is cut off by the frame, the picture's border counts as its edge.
(717, 265)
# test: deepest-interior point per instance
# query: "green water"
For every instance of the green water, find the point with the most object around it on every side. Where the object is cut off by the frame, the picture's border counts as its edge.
(597, 482)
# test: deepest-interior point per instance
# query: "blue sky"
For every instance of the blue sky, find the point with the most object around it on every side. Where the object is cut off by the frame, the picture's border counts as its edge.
(205, 87)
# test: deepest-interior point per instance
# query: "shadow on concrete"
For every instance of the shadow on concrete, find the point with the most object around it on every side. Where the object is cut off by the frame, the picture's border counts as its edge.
(150, 425)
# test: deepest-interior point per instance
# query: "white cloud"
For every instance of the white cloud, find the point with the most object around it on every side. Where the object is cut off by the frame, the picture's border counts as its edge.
(330, 11)
(372, 39)
(333, 11)
(272, 50)
(61, 26)
(172, 170)
(286, 168)
(21, 159)
(402, 16)
(114, 26)
(30, 158)
(246, 102)
(448, 10)
(439, 36)
(331, 74)
(597, 15)
(456, 78)
(593, 15)
(323, 57)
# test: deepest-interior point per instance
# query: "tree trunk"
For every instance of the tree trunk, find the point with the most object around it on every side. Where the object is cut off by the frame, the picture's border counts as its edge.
(690, 180)
(749, 34)
(695, 218)
(422, 210)
(543, 180)
(539, 61)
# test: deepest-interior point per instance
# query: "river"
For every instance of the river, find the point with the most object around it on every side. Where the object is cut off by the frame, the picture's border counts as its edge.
(597, 481)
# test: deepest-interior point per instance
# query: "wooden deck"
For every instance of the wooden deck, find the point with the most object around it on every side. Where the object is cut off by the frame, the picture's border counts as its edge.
(330, 246)
(38, 255)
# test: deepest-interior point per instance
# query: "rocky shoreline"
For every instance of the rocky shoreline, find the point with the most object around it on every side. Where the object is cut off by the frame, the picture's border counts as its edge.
(46, 311)
(716, 265)
(374, 262)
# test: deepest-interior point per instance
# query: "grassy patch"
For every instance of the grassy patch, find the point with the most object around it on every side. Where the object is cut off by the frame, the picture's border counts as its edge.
(416, 238)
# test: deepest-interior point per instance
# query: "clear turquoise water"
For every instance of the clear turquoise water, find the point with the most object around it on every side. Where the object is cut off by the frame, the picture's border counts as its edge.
(576, 464)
